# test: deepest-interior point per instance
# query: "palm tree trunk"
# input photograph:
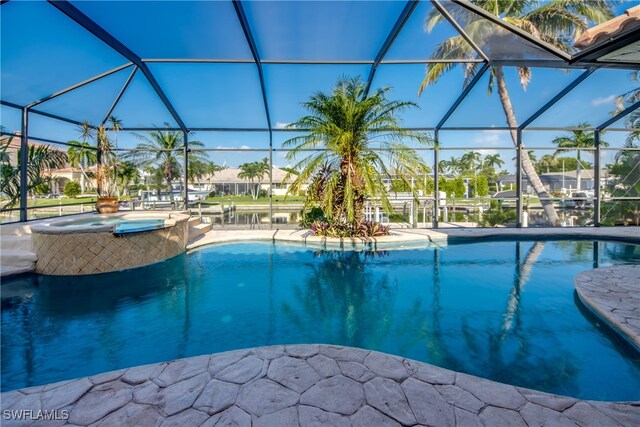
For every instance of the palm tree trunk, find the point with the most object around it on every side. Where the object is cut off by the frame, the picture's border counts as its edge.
(578, 171)
(527, 164)
(82, 182)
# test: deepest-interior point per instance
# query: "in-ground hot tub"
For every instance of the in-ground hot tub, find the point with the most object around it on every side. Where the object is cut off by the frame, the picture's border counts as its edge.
(105, 243)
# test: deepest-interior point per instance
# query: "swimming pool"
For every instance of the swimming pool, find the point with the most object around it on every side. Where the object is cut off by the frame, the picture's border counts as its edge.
(500, 310)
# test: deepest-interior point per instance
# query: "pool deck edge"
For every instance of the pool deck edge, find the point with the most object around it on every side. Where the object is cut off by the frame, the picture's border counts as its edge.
(415, 236)
(304, 385)
(613, 295)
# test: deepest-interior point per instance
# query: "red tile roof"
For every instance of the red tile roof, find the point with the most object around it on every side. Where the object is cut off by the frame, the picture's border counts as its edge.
(629, 19)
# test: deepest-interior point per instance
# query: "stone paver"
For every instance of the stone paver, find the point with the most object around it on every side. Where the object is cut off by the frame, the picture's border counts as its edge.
(315, 385)
(613, 294)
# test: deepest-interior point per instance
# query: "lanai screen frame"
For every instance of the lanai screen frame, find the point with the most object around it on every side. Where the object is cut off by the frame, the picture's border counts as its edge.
(138, 64)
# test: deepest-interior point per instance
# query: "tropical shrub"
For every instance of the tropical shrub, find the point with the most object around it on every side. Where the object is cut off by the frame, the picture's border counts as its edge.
(309, 216)
(328, 228)
(496, 215)
(72, 189)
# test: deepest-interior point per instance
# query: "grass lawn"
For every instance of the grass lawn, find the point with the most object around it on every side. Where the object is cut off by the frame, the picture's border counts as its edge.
(62, 201)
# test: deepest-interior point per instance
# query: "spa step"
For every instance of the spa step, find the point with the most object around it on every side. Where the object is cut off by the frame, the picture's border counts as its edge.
(11, 241)
(12, 270)
(17, 257)
(194, 220)
(198, 230)
(15, 230)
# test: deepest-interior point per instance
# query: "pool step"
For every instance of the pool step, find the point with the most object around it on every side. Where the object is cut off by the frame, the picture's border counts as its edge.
(198, 230)
(14, 230)
(13, 241)
(17, 257)
(10, 270)
(16, 261)
(194, 220)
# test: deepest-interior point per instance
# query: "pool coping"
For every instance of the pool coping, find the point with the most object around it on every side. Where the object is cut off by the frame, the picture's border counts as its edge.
(613, 295)
(407, 238)
(309, 384)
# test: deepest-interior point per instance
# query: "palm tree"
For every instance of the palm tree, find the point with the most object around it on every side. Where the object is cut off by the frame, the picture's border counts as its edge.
(555, 22)
(453, 165)
(624, 101)
(469, 159)
(81, 155)
(127, 173)
(116, 126)
(254, 171)
(211, 170)
(197, 169)
(164, 148)
(548, 161)
(492, 161)
(578, 140)
(348, 126)
(40, 159)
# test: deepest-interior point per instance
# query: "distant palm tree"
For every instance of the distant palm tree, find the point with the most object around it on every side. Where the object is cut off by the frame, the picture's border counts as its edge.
(254, 172)
(469, 160)
(212, 169)
(554, 21)
(116, 126)
(81, 155)
(127, 173)
(452, 166)
(492, 161)
(548, 161)
(164, 148)
(40, 160)
(578, 140)
(347, 126)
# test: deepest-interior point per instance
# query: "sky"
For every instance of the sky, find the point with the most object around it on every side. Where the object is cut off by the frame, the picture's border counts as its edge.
(53, 53)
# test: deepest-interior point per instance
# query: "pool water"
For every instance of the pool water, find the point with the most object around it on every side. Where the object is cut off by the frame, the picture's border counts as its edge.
(500, 310)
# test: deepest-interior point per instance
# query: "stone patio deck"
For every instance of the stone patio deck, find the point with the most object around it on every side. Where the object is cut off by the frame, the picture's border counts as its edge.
(613, 294)
(304, 385)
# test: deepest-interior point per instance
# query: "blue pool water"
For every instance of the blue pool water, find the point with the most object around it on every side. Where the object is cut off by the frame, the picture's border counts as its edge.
(501, 310)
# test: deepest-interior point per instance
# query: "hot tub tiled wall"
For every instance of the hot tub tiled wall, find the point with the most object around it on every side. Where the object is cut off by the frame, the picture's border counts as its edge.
(91, 253)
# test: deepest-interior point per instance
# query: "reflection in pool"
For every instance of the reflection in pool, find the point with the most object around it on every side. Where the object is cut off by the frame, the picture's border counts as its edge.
(500, 310)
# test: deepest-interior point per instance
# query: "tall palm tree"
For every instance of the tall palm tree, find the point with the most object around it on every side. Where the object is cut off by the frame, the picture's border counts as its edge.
(578, 140)
(469, 160)
(555, 21)
(548, 161)
(254, 172)
(210, 169)
(348, 125)
(492, 161)
(624, 101)
(81, 155)
(128, 173)
(116, 126)
(165, 149)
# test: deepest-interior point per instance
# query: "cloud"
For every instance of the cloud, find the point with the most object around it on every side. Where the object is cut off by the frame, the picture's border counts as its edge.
(603, 100)
(491, 138)
(281, 125)
(242, 147)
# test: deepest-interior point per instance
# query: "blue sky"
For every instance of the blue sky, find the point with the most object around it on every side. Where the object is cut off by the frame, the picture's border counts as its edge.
(53, 53)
